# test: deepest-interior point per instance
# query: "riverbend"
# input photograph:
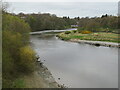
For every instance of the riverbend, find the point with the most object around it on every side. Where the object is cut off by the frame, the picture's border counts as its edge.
(77, 65)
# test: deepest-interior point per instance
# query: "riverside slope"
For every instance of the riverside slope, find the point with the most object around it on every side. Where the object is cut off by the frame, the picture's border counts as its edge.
(41, 78)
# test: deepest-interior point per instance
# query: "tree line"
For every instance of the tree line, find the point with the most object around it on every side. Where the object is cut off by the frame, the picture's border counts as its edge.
(47, 21)
(105, 23)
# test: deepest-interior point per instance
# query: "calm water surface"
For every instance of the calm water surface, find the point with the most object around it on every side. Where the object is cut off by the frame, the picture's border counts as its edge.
(78, 65)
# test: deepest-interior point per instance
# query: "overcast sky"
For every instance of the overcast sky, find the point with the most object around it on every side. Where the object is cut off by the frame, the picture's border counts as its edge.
(72, 9)
(61, 0)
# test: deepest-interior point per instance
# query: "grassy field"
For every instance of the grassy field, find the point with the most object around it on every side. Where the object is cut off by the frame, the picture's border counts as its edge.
(100, 36)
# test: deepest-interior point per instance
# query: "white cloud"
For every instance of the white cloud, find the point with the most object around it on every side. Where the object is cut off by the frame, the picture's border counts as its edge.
(61, 0)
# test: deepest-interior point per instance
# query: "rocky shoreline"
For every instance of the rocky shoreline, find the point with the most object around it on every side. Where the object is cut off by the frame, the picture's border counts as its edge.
(96, 43)
(41, 78)
(43, 72)
(46, 75)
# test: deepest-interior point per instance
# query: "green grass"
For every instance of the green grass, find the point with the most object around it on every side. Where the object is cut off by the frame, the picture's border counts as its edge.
(100, 36)
(19, 83)
(13, 83)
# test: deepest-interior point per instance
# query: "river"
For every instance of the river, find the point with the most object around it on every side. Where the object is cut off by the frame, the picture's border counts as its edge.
(77, 65)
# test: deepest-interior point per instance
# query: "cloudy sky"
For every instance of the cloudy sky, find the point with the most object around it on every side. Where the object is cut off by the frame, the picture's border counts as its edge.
(61, 0)
(73, 8)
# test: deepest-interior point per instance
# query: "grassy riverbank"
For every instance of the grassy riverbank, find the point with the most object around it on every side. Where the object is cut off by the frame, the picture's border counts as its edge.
(97, 36)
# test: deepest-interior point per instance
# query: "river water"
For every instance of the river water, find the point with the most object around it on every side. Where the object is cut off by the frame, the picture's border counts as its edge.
(78, 65)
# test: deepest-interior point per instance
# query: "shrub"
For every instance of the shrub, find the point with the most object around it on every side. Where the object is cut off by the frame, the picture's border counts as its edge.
(80, 28)
(79, 31)
(27, 59)
(15, 24)
(8, 64)
(67, 32)
(86, 32)
(74, 31)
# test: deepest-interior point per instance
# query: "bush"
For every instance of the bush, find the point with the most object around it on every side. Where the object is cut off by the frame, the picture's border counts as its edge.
(8, 69)
(79, 31)
(74, 31)
(11, 43)
(27, 59)
(86, 32)
(15, 24)
(67, 32)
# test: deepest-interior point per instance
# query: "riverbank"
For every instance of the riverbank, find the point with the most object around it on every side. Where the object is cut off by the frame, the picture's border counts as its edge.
(96, 43)
(51, 31)
(97, 39)
(41, 78)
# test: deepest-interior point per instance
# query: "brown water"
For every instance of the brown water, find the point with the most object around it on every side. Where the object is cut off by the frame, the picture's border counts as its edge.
(78, 65)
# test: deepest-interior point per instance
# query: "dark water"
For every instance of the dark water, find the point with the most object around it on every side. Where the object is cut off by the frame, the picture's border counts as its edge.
(78, 65)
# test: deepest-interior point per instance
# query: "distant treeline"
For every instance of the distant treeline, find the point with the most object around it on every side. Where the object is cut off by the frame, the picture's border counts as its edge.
(106, 23)
(46, 21)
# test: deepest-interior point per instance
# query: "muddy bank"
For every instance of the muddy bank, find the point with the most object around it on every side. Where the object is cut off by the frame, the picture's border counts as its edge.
(41, 78)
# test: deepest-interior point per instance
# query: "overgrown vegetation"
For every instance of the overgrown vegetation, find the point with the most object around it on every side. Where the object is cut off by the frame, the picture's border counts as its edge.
(18, 57)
